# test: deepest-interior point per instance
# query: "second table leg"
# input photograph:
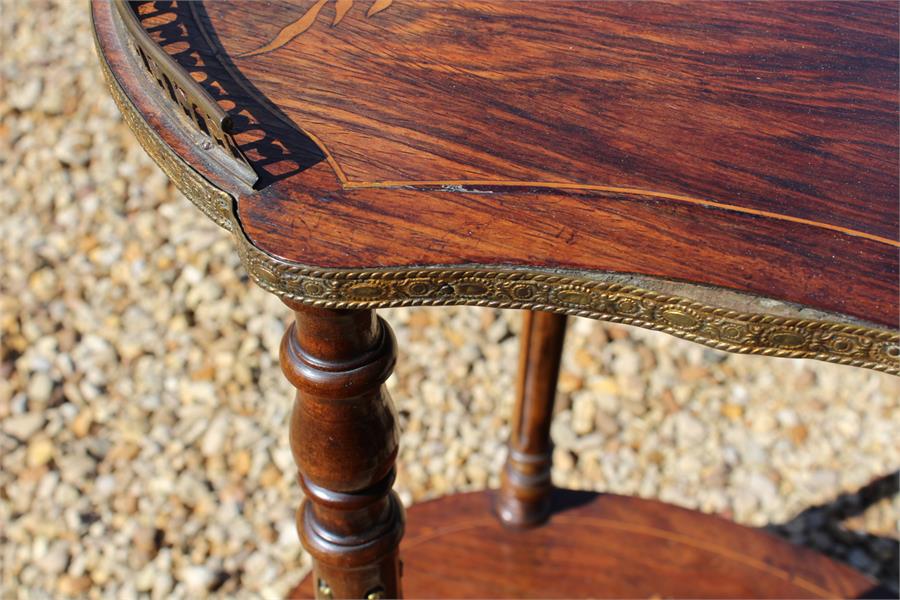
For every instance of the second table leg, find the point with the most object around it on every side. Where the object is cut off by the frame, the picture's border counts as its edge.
(524, 497)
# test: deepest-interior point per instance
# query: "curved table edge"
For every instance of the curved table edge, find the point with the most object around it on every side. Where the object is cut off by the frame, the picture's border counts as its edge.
(600, 296)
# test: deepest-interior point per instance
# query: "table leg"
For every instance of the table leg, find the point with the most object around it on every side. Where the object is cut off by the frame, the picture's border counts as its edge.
(344, 438)
(524, 498)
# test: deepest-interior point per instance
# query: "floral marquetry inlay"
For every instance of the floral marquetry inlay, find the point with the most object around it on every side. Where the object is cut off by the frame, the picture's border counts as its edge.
(307, 19)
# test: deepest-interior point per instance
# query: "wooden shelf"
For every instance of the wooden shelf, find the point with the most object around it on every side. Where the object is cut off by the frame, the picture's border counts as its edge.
(606, 546)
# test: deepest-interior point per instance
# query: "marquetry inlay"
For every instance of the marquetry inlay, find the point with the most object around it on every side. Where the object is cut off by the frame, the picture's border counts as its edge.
(306, 20)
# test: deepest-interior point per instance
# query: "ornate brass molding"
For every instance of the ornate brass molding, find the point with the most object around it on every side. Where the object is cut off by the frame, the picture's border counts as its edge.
(208, 120)
(588, 295)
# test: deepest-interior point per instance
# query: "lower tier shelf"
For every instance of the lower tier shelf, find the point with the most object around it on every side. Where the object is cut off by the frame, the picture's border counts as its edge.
(606, 546)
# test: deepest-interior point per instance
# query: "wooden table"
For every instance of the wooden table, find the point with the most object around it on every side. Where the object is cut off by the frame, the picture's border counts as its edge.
(726, 173)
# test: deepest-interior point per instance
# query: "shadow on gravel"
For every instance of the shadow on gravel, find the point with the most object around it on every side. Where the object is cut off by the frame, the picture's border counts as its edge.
(824, 529)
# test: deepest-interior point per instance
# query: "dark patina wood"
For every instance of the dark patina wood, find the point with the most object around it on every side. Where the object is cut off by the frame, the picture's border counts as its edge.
(607, 546)
(725, 172)
(697, 268)
(759, 138)
(344, 440)
(720, 101)
(524, 498)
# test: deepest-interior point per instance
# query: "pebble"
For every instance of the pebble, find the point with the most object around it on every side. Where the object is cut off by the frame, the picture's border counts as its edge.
(214, 438)
(241, 462)
(81, 424)
(143, 416)
(584, 411)
(74, 586)
(23, 426)
(162, 585)
(40, 451)
(733, 411)
(196, 578)
(55, 560)
(26, 94)
(39, 388)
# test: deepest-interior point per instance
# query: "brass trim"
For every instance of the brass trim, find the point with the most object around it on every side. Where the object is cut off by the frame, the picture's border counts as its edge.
(323, 590)
(207, 118)
(583, 295)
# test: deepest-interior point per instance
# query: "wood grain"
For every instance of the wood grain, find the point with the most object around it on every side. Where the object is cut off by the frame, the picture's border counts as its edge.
(344, 440)
(606, 546)
(743, 146)
(785, 107)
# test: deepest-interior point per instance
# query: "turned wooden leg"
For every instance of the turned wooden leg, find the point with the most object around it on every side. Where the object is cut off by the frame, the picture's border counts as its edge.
(344, 439)
(524, 498)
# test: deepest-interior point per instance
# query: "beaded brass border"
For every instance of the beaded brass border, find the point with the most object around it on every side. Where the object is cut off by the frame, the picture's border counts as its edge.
(579, 295)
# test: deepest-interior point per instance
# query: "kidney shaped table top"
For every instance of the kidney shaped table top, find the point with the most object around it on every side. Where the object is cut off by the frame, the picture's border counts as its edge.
(724, 172)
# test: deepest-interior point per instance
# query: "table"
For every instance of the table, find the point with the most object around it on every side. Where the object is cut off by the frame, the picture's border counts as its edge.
(725, 172)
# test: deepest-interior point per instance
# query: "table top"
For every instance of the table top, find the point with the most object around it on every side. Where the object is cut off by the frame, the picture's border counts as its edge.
(651, 163)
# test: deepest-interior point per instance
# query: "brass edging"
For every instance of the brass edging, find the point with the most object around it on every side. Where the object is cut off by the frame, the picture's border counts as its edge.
(207, 119)
(578, 295)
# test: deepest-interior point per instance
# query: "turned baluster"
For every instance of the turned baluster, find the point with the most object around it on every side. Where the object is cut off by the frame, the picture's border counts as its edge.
(344, 440)
(524, 497)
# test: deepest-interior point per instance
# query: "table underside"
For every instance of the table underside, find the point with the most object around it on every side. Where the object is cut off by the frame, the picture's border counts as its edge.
(617, 178)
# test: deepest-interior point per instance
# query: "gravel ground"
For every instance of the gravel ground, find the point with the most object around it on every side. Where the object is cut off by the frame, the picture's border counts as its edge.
(143, 417)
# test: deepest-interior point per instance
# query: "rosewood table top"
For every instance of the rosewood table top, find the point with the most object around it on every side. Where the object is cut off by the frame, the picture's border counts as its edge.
(725, 172)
